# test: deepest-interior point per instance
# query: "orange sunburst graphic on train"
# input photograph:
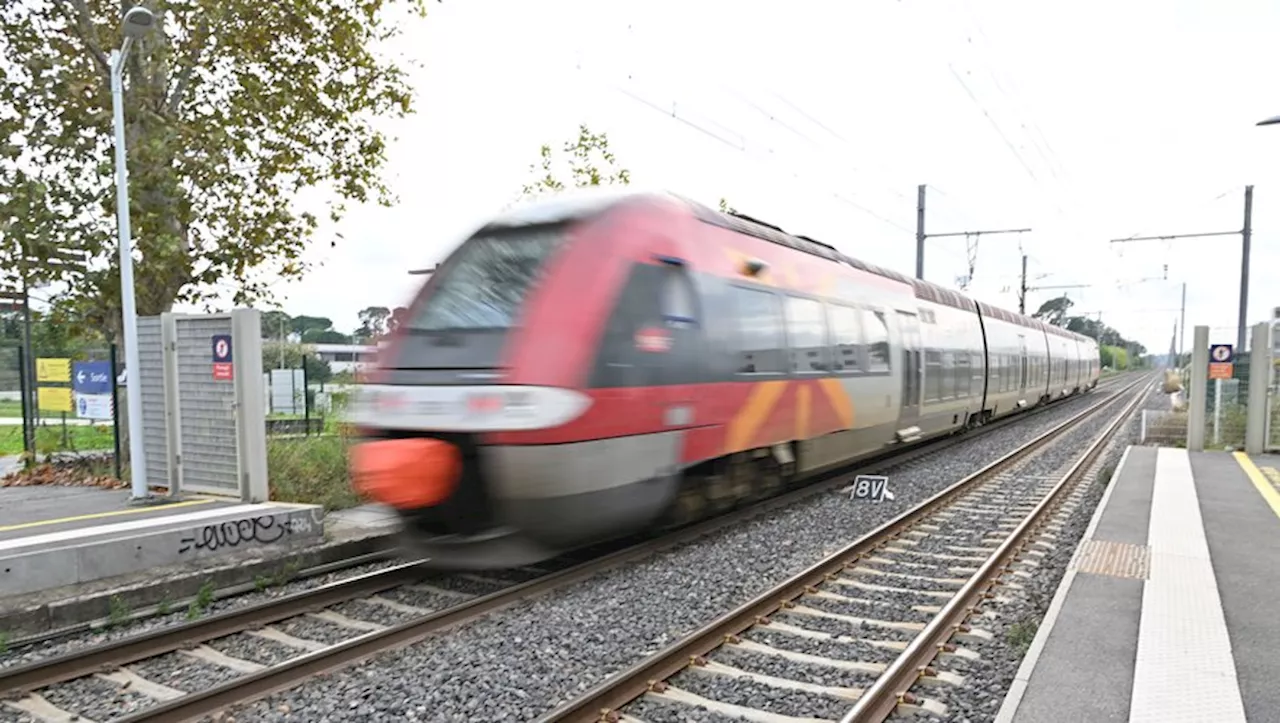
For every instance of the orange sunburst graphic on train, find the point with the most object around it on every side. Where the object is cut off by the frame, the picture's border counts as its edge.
(778, 411)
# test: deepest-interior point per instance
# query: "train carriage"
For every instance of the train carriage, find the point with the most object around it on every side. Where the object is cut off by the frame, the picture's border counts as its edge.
(597, 364)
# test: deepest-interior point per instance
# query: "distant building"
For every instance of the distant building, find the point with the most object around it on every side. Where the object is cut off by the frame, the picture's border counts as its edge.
(346, 357)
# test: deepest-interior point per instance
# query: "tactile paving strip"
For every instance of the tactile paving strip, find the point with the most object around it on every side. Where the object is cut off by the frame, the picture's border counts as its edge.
(1117, 559)
(1185, 670)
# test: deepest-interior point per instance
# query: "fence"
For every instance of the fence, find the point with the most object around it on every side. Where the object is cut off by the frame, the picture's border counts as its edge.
(1165, 428)
(59, 398)
(1226, 393)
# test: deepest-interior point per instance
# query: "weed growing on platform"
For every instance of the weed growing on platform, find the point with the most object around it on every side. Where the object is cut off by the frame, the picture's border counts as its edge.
(4, 641)
(310, 470)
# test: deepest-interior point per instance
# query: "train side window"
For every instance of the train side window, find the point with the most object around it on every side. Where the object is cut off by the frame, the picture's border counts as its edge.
(761, 346)
(933, 382)
(846, 337)
(877, 340)
(807, 335)
(963, 377)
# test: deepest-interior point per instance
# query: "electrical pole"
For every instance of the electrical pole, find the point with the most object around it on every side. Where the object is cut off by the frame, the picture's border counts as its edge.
(1023, 288)
(1246, 237)
(921, 236)
(1182, 327)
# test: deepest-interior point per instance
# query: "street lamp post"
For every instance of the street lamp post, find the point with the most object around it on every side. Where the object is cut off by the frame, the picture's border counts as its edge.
(137, 22)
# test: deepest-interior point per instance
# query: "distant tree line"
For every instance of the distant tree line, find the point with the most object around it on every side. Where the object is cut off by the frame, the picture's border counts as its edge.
(1114, 349)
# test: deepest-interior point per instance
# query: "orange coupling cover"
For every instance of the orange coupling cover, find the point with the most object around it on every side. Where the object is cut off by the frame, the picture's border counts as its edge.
(406, 473)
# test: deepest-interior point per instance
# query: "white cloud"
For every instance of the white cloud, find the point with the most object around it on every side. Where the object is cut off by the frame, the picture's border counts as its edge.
(822, 118)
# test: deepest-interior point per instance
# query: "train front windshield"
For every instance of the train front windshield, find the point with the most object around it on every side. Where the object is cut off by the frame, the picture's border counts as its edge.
(485, 284)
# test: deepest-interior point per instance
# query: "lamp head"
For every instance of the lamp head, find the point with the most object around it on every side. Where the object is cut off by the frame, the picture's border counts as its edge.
(137, 22)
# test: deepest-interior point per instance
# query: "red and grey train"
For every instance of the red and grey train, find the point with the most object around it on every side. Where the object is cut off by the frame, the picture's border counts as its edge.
(596, 364)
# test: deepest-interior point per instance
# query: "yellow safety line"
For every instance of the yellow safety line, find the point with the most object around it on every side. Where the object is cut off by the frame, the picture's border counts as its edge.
(1265, 489)
(98, 515)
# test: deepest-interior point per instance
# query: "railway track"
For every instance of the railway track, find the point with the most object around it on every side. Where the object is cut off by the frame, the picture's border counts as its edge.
(855, 637)
(245, 653)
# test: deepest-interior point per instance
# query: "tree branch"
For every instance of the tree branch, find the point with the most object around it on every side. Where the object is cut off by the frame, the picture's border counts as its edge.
(199, 42)
(82, 25)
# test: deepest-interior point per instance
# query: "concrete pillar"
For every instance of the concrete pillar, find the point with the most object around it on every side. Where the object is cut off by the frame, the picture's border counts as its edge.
(251, 416)
(1255, 436)
(1198, 392)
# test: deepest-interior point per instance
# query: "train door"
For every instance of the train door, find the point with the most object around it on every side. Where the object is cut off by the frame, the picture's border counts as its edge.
(1023, 379)
(912, 383)
(682, 363)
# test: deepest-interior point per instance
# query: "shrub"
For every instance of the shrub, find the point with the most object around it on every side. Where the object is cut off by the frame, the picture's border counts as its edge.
(310, 470)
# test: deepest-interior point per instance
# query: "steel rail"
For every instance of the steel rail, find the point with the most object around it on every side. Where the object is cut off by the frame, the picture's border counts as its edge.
(602, 702)
(891, 687)
(25, 678)
(152, 611)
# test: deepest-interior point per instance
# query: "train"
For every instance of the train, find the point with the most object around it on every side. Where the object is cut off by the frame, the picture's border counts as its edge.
(598, 364)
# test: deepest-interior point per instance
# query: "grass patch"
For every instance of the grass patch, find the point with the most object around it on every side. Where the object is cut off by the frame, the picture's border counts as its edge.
(1020, 635)
(49, 439)
(10, 408)
(310, 470)
(201, 602)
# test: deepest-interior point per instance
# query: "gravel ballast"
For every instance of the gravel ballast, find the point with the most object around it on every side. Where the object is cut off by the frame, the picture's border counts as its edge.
(520, 662)
(95, 699)
(9, 715)
(1015, 622)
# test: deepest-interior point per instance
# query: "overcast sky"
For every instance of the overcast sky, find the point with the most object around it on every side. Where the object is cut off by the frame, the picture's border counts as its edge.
(1084, 121)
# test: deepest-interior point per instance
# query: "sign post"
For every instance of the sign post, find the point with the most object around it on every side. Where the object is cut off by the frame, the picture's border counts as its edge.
(1221, 366)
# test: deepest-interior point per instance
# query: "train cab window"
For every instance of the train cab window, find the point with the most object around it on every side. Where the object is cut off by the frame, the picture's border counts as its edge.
(760, 343)
(807, 335)
(877, 340)
(679, 307)
(846, 337)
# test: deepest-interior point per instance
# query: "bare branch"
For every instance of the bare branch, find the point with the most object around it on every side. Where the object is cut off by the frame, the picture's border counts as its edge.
(82, 25)
(199, 43)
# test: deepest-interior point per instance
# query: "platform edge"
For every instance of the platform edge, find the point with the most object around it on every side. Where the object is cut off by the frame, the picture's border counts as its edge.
(1021, 679)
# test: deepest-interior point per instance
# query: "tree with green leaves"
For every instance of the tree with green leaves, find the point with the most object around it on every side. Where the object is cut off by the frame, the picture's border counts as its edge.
(289, 355)
(397, 318)
(373, 323)
(231, 108)
(585, 161)
(1054, 311)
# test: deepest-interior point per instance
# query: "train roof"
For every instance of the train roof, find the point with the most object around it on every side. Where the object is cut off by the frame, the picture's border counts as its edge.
(582, 203)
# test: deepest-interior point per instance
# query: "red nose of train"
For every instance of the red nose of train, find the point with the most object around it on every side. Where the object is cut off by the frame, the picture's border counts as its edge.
(406, 473)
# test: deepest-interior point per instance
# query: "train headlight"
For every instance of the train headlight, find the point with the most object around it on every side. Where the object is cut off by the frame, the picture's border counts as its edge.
(445, 408)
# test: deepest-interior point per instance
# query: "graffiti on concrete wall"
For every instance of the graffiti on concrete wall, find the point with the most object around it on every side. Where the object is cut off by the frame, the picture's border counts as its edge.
(261, 530)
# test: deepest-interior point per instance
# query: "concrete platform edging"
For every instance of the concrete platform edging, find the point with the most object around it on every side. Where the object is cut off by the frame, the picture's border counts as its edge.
(1018, 688)
(63, 558)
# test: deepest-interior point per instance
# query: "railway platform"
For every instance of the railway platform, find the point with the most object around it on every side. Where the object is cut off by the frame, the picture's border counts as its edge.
(1166, 610)
(54, 537)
